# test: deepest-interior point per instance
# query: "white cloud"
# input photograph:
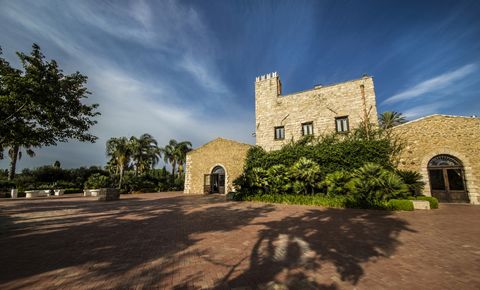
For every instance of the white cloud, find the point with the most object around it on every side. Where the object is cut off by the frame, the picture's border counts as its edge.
(424, 110)
(433, 84)
(131, 104)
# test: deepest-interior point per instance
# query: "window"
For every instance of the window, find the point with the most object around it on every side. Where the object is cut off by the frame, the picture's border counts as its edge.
(307, 128)
(279, 133)
(341, 124)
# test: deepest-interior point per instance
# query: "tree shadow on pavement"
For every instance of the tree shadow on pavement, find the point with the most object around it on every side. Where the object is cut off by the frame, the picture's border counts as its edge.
(189, 243)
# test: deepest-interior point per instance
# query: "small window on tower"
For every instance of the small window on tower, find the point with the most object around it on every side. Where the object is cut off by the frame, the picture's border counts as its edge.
(279, 133)
(342, 124)
(307, 129)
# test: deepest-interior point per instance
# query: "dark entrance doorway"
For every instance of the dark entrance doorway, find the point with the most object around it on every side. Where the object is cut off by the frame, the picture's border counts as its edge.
(447, 181)
(215, 182)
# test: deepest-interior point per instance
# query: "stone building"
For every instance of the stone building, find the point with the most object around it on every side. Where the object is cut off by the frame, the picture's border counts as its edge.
(318, 111)
(213, 167)
(446, 151)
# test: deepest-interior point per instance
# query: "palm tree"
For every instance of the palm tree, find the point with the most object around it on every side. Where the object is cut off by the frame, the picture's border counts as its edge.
(145, 152)
(15, 154)
(169, 155)
(181, 154)
(391, 119)
(119, 151)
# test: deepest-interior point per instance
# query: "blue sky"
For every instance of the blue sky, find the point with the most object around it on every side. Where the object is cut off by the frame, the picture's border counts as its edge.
(186, 69)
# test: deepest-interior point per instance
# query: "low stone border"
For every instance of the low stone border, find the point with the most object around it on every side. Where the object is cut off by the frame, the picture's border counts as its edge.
(421, 204)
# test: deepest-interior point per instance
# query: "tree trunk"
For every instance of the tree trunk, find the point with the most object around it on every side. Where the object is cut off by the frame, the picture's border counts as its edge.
(174, 165)
(121, 178)
(13, 162)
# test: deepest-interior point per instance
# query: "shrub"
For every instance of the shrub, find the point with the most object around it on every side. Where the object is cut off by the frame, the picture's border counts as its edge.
(399, 204)
(373, 183)
(333, 153)
(278, 179)
(413, 180)
(432, 200)
(306, 174)
(97, 180)
(139, 183)
(336, 183)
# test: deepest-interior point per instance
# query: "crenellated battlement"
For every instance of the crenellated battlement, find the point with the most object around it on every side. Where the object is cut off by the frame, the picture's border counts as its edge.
(266, 76)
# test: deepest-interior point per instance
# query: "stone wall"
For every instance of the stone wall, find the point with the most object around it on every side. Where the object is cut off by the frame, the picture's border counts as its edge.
(229, 154)
(319, 105)
(439, 134)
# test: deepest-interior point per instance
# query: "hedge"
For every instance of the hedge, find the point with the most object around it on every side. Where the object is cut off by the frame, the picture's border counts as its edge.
(399, 204)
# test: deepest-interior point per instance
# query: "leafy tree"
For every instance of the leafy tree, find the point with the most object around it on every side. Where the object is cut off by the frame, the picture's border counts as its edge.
(391, 119)
(41, 106)
(119, 150)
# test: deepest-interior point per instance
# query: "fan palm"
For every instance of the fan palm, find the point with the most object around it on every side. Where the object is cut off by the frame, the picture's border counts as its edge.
(391, 119)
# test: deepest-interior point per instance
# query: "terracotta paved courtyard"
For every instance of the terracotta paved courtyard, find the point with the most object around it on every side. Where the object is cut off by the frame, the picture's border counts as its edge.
(169, 241)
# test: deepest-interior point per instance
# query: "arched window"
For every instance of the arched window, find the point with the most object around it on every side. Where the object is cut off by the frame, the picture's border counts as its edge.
(444, 160)
(218, 170)
(447, 181)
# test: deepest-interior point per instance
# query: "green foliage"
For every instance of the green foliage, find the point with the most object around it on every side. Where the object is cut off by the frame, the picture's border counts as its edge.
(317, 200)
(41, 106)
(388, 120)
(336, 183)
(399, 204)
(432, 200)
(340, 201)
(413, 180)
(332, 152)
(358, 167)
(96, 181)
(306, 174)
(278, 177)
(372, 182)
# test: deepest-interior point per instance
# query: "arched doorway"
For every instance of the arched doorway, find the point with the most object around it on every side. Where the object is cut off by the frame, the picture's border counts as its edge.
(215, 181)
(447, 181)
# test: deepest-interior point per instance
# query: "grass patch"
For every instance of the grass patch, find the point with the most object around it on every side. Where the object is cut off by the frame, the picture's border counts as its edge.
(332, 202)
(317, 200)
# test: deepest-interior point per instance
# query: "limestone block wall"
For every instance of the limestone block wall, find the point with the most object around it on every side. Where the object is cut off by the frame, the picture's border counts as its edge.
(439, 134)
(229, 154)
(319, 105)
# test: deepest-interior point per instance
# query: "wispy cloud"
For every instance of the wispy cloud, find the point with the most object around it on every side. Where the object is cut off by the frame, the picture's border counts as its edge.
(424, 110)
(132, 99)
(434, 84)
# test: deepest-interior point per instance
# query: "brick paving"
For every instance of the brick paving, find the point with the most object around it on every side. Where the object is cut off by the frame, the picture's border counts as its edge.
(170, 241)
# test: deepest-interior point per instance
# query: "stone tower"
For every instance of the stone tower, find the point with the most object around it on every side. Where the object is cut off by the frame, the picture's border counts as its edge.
(318, 111)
